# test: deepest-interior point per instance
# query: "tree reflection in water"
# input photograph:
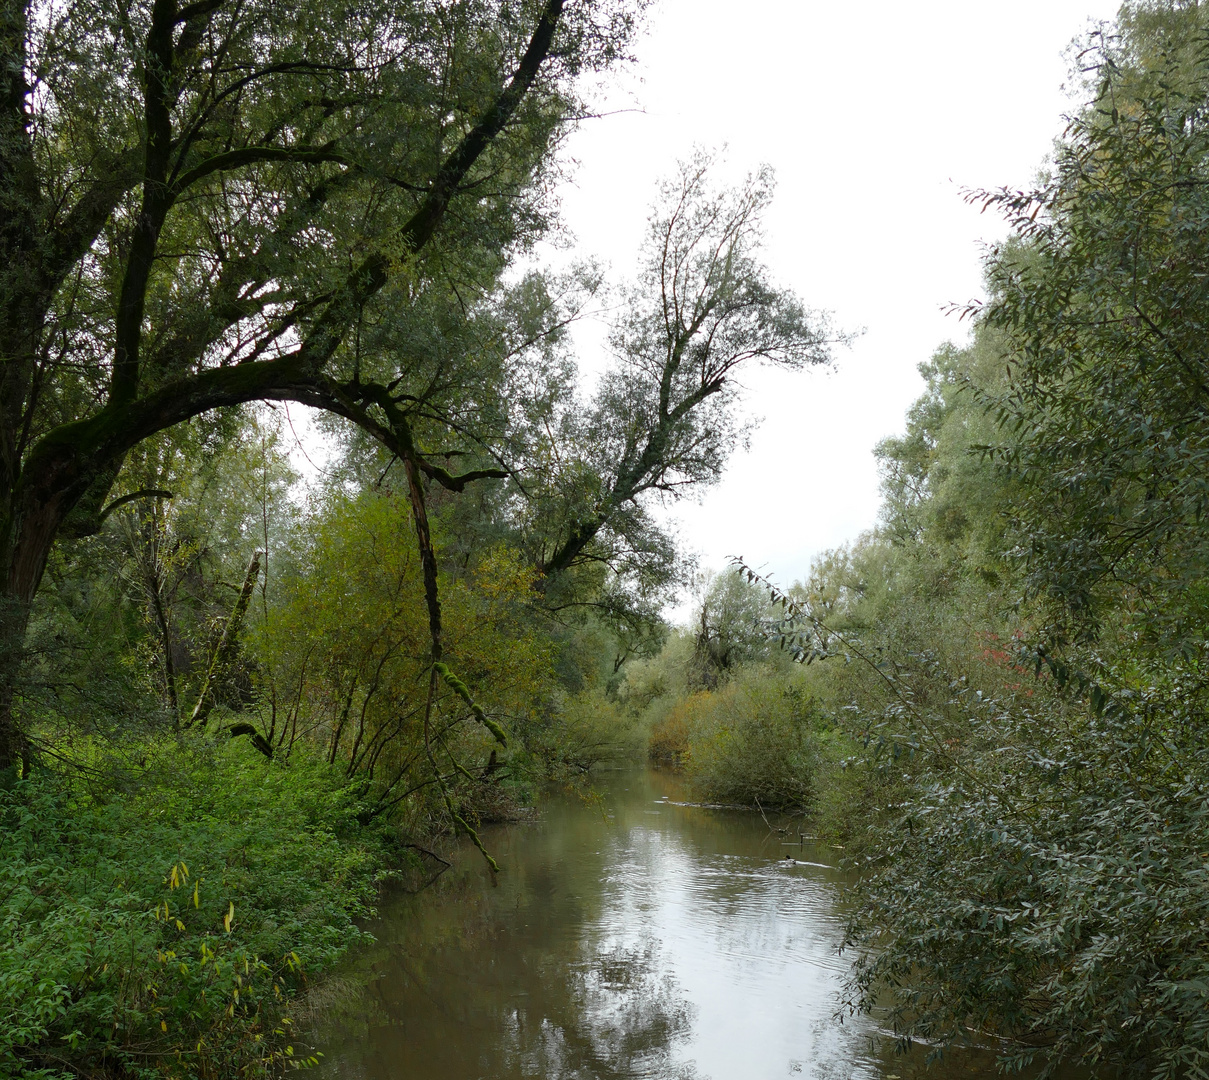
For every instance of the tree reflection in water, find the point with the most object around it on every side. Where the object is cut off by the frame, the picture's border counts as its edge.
(453, 1010)
(665, 943)
(622, 1018)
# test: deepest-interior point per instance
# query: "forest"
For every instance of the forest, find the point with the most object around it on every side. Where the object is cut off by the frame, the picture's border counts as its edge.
(238, 705)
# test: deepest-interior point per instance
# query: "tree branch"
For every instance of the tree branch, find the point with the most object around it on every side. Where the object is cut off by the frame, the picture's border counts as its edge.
(147, 493)
(373, 273)
(251, 155)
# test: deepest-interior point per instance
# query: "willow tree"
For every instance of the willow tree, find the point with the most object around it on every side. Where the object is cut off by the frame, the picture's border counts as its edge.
(201, 204)
(1041, 876)
(1103, 299)
(701, 312)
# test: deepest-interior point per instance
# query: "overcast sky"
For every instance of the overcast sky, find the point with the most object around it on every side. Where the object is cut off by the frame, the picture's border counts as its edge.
(875, 117)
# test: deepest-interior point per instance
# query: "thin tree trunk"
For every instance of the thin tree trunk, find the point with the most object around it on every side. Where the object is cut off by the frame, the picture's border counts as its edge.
(224, 651)
(14, 747)
(146, 543)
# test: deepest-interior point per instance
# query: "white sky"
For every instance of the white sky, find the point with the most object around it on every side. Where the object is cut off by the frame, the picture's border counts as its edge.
(875, 116)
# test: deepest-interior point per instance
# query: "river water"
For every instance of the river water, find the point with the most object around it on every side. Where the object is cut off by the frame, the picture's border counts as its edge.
(627, 936)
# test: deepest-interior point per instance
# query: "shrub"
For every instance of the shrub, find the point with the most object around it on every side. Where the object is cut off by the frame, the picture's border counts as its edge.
(160, 919)
(585, 730)
(1053, 890)
(670, 733)
(753, 740)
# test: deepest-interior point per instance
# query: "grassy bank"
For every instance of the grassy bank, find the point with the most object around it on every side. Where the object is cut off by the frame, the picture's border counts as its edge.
(166, 907)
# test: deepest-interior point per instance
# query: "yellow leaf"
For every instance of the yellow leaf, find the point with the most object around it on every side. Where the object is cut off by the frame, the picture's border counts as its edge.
(163, 1025)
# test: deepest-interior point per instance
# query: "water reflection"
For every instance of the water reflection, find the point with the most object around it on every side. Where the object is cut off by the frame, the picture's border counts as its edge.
(630, 939)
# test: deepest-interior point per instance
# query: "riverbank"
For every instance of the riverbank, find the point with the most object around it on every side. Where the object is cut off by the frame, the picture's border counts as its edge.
(168, 906)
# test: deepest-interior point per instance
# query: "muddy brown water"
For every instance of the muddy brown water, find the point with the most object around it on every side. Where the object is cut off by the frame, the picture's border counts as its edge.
(627, 937)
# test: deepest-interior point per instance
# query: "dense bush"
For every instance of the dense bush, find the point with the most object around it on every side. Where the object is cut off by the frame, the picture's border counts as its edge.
(1039, 787)
(747, 732)
(668, 742)
(754, 741)
(161, 916)
(1054, 890)
(583, 731)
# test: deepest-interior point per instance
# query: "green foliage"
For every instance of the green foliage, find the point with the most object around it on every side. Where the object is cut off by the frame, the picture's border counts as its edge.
(1028, 825)
(1026, 632)
(216, 204)
(731, 628)
(1102, 299)
(1054, 890)
(937, 496)
(585, 730)
(161, 916)
(127, 620)
(344, 656)
(754, 741)
(724, 706)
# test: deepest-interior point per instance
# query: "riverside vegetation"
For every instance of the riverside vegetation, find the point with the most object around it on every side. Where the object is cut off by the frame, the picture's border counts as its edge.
(1001, 708)
(232, 709)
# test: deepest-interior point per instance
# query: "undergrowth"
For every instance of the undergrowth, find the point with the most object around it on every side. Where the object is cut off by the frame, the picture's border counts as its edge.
(164, 907)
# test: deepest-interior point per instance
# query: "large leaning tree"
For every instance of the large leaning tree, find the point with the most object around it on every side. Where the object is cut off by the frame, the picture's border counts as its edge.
(202, 203)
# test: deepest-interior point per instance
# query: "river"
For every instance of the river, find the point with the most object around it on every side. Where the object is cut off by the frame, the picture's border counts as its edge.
(628, 936)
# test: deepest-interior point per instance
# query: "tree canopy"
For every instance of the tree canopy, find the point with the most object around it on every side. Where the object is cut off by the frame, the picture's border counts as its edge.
(209, 205)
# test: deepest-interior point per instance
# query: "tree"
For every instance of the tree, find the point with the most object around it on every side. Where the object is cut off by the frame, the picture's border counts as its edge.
(1039, 847)
(572, 482)
(664, 419)
(202, 205)
(732, 628)
(1101, 299)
